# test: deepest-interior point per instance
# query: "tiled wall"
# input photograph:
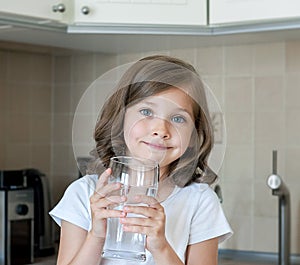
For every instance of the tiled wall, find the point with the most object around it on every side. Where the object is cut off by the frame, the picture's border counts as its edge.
(25, 110)
(73, 74)
(258, 88)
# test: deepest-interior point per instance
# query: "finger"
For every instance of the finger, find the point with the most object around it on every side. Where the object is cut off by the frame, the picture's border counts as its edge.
(144, 211)
(102, 182)
(111, 202)
(136, 221)
(103, 188)
(116, 199)
(107, 190)
(137, 229)
(106, 213)
(103, 179)
(151, 201)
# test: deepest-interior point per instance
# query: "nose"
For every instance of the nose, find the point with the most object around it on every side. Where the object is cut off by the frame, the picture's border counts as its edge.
(161, 128)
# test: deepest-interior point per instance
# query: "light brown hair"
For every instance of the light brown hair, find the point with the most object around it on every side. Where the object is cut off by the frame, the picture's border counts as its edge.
(145, 78)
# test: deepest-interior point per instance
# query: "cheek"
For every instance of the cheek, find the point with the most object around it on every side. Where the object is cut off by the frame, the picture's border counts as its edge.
(185, 140)
(134, 130)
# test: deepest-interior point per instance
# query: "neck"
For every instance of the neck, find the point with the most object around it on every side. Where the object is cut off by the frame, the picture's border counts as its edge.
(163, 173)
(165, 188)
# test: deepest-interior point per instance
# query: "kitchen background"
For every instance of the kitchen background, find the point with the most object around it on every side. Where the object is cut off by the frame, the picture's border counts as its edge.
(257, 85)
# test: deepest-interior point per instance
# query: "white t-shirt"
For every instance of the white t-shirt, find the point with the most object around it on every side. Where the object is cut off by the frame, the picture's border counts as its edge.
(193, 215)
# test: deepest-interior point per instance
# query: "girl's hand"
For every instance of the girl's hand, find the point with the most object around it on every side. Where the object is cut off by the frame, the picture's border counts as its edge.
(153, 226)
(102, 203)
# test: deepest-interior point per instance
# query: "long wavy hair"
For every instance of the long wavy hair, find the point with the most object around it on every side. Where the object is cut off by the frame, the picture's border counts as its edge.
(147, 77)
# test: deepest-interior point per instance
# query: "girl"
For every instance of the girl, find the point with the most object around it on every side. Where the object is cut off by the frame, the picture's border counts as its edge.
(158, 111)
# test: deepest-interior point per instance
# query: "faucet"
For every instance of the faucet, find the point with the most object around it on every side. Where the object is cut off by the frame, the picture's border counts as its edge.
(279, 189)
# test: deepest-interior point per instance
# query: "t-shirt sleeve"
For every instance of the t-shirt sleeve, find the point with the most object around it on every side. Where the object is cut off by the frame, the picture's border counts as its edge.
(209, 220)
(74, 206)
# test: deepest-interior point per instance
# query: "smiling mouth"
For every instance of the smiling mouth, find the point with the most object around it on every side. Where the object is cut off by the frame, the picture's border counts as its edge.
(157, 146)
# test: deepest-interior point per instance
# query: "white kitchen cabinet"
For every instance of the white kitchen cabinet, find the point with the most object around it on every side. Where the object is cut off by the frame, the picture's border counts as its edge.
(148, 12)
(36, 9)
(241, 11)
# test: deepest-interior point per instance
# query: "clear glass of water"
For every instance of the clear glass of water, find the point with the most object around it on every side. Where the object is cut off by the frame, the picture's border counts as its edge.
(138, 177)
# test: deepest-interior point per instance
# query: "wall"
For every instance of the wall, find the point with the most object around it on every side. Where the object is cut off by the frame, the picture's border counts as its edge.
(25, 110)
(257, 86)
(73, 74)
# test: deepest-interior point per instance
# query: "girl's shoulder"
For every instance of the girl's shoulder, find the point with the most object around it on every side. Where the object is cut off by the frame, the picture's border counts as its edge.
(194, 191)
(84, 185)
(74, 204)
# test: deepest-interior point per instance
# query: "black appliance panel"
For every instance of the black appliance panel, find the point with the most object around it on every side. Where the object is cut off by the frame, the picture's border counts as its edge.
(17, 224)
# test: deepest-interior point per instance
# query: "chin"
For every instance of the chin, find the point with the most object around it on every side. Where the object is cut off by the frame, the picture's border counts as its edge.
(151, 156)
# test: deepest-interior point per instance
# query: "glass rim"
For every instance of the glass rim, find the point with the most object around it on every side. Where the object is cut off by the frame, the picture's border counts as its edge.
(124, 159)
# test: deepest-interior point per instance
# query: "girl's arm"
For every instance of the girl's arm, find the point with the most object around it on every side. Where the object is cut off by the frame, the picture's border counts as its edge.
(77, 246)
(203, 253)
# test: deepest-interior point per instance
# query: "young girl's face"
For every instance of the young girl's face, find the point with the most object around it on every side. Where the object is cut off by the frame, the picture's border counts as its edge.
(160, 126)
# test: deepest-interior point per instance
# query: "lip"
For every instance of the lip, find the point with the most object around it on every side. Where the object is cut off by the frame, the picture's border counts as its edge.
(157, 146)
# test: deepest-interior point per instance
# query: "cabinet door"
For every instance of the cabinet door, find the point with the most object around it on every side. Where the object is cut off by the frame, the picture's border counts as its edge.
(160, 12)
(234, 11)
(40, 9)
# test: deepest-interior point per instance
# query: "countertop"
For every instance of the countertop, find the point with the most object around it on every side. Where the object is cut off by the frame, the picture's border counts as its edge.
(51, 260)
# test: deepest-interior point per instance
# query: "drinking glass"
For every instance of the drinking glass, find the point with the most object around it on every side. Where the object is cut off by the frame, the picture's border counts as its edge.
(138, 177)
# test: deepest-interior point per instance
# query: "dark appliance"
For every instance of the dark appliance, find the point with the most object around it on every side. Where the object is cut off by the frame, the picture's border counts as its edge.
(33, 178)
(83, 164)
(16, 226)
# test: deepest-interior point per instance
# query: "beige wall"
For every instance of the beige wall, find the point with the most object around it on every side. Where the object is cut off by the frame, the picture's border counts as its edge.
(257, 85)
(25, 110)
(73, 74)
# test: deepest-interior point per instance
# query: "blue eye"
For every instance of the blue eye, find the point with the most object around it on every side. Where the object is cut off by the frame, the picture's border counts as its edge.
(146, 112)
(178, 119)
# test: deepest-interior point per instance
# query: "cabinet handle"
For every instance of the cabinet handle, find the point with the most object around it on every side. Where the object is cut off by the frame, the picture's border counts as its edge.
(59, 8)
(85, 10)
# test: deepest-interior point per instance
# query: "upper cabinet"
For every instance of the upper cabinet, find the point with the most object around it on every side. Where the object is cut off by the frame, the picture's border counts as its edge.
(40, 10)
(182, 17)
(242, 11)
(147, 12)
